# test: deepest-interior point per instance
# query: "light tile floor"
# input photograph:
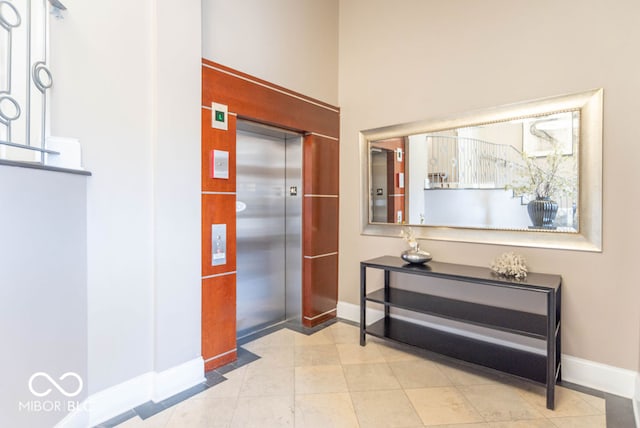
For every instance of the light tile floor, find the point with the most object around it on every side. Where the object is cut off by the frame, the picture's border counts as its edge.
(328, 380)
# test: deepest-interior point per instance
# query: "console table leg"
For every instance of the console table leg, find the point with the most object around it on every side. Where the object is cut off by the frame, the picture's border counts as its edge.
(551, 349)
(363, 303)
(387, 284)
(559, 333)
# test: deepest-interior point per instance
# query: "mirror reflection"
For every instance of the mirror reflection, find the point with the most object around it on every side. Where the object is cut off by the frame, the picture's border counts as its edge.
(519, 174)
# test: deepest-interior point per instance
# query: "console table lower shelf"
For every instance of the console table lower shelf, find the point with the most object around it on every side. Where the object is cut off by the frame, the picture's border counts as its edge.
(513, 361)
(541, 366)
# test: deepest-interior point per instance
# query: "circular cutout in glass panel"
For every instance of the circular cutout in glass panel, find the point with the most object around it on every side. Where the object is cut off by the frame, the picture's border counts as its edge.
(42, 76)
(9, 15)
(9, 108)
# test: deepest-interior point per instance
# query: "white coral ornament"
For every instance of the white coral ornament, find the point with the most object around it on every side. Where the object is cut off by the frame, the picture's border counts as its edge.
(510, 264)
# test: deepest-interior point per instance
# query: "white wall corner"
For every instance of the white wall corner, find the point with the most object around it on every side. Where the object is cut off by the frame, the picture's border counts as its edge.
(178, 379)
(111, 402)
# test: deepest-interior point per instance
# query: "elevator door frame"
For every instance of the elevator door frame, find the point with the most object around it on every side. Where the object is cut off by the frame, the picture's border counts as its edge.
(249, 97)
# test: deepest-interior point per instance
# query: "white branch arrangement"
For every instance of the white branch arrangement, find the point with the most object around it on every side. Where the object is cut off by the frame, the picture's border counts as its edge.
(409, 236)
(510, 264)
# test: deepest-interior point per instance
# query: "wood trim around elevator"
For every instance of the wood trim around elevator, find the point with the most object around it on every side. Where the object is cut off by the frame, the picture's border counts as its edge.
(250, 98)
(254, 99)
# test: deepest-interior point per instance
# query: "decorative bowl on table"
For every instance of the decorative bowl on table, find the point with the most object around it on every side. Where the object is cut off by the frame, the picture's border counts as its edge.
(416, 256)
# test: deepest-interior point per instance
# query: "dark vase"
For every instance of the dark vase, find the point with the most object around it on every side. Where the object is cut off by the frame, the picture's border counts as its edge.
(542, 212)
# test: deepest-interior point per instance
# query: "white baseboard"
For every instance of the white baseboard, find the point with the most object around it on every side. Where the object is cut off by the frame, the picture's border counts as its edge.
(113, 401)
(636, 401)
(348, 311)
(177, 379)
(110, 402)
(79, 418)
(351, 312)
(602, 377)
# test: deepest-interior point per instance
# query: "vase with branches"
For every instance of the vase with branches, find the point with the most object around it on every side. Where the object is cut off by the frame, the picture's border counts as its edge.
(543, 179)
(414, 255)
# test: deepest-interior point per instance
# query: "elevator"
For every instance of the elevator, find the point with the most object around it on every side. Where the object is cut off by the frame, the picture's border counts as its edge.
(269, 226)
(379, 185)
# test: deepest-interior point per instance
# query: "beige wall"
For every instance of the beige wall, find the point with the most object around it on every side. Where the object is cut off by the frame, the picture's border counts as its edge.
(415, 59)
(425, 58)
(292, 43)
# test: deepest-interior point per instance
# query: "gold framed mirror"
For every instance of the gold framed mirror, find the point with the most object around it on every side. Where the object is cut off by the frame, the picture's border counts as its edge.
(524, 174)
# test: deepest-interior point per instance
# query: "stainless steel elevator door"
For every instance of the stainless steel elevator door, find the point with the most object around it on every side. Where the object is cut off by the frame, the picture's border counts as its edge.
(379, 191)
(268, 227)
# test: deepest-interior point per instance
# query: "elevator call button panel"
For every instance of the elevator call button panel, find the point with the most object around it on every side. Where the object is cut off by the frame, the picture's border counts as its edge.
(220, 164)
(218, 244)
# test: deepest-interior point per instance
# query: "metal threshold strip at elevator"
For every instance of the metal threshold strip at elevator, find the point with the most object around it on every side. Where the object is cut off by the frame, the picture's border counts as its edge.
(269, 226)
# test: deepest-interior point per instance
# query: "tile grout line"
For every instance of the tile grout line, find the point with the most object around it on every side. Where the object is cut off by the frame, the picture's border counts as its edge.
(293, 351)
(415, 410)
(472, 405)
(237, 398)
(521, 391)
(353, 404)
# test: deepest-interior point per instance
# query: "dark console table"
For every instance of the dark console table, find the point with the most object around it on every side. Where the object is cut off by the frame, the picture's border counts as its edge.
(538, 367)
